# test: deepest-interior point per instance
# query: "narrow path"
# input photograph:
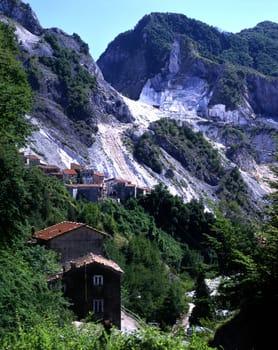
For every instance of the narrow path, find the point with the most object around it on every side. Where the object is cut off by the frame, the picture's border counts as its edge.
(128, 324)
(184, 321)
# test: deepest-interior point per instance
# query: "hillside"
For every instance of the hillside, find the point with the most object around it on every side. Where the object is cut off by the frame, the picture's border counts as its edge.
(201, 128)
(179, 77)
(151, 41)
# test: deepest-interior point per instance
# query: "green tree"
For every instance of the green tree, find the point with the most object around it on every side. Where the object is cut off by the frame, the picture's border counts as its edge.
(15, 93)
(90, 213)
(186, 222)
(204, 308)
(174, 305)
(24, 293)
(47, 201)
(12, 194)
(15, 101)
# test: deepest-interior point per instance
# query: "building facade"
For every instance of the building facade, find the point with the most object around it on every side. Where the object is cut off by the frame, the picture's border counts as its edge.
(93, 284)
(71, 239)
(90, 281)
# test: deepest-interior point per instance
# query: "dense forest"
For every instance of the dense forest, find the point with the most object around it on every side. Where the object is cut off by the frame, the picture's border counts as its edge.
(165, 246)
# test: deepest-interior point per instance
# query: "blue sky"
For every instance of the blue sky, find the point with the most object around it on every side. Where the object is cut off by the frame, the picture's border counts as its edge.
(98, 22)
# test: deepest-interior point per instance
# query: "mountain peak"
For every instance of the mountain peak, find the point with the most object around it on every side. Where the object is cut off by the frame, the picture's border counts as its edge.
(267, 24)
(22, 13)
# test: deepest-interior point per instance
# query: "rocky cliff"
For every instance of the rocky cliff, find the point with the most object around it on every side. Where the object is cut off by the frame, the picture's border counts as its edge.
(70, 94)
(22, 13)
(180, 75)
(207, 79)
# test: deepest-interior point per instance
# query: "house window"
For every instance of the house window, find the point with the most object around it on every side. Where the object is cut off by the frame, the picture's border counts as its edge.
(98, 280)
(98, 305)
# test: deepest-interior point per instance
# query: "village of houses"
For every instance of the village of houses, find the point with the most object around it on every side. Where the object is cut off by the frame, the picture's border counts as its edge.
(87, 183)
(88, 279)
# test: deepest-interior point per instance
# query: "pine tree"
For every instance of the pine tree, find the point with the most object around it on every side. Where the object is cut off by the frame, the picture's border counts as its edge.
(203, 302)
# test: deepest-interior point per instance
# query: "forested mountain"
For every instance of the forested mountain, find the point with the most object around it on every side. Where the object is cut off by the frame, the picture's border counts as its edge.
(221, 84)
(202, 134)
(151, 40)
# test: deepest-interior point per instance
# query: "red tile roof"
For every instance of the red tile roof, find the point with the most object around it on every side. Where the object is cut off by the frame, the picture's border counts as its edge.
(31, 156)
(84, 185)
(56, 173)
(70, 171)
(48, 166)
(118, 181)
(85, 260)
(60, 229)
(75, 166)
(57, 230)
(144, 188)
(85, 170)
(91, 259)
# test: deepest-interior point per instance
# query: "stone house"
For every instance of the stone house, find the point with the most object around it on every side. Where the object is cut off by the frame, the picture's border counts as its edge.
(121, 189)
(115, 188)
(93, 283)
(87, 176)
(70, 175)
(71, 239)
(89, 192)
(142, 191)
(98, 178)
(76, 166)
(90, 281)
(49, 168)
(31, 159)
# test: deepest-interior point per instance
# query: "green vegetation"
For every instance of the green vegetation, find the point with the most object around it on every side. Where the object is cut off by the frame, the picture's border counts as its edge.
(249, 262)
(50, 335)
(262, 47)
(230, 88)
(142, 250)
(75, 80)
(15, 101)
(148, 152)
(71, 84)
(186, 222)
(160, 30)
(163, 244)
(226, 55)
(34, 73)
(84, 48)
(188, 147)
(254, 48)
(204, 308)
(233, 189)
(24, 294)
(15, 93)
(196, 155)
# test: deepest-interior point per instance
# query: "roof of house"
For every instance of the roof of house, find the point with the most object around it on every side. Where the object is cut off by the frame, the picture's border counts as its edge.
(86, 170)
(144, 188)
(119, 181)
(31, 156)
(59, 229)
(83, 185)
(56, 173)
(70, 171)
(85, 260)
(48, 166)
(99, 174)
(93, 259)
(75, 166)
